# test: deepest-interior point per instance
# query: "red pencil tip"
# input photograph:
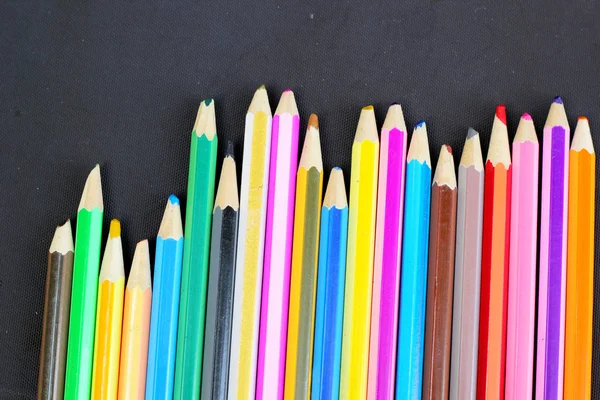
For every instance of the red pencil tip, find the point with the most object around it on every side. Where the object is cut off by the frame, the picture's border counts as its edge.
(448, 148)
(501, 113)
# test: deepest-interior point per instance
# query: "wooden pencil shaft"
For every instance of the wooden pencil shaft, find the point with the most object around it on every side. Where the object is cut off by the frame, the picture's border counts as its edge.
(438, 325)
(219, 314)
(55, 327)
(304, 283)
(467, 278)
(200, 197)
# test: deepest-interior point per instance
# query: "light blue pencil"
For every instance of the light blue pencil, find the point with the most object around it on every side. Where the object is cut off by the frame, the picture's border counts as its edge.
(327, 352)
(165, 305)
(413, 286)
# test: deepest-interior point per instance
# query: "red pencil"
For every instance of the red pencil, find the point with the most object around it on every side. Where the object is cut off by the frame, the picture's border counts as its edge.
(494, 263)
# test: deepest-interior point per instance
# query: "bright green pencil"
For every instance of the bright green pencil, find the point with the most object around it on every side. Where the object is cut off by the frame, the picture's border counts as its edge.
(80, 350)
(200, 197)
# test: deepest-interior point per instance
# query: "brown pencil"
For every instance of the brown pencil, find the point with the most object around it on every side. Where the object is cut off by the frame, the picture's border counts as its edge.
(440, 279)
(57, 305)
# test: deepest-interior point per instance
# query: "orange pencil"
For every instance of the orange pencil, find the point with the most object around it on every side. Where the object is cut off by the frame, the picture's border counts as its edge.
(136, 326)
(580, 265)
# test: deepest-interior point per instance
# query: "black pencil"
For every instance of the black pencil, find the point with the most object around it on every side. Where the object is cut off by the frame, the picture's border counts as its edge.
(221, 276)
(55, 331)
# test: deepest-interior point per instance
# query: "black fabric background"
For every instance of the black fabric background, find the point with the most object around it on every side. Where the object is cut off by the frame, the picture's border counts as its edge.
(119, 83)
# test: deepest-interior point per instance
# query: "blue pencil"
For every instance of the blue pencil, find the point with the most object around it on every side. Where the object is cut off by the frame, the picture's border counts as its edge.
(330, 290)
(165, 305)
(413, 286)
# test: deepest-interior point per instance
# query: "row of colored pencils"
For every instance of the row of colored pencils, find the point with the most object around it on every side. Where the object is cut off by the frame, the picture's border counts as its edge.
(414, 288)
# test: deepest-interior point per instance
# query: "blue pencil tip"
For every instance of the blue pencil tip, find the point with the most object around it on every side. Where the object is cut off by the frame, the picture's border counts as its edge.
(336, 168)
(420, 124)
(173, 199)
(558, 100)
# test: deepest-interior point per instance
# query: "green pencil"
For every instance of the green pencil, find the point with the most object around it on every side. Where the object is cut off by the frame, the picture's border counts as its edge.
(84, 291)
(200, 196)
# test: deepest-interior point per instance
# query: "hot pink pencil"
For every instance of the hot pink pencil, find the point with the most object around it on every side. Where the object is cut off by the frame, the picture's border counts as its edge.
(278, 250)
(388, 246)
(522, 270)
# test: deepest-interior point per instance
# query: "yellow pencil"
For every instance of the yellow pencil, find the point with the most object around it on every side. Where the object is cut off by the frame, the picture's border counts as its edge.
(359, 266)
(136, 326)
(305, 256)
(109, 316)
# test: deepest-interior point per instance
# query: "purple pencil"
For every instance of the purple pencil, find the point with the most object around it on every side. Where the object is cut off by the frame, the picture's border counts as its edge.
(278, 250)
(388, 246)
(553, 259)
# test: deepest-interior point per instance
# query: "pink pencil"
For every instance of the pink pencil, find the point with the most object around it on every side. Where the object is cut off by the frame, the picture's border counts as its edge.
(388, 248)
(553, 255)
(522, 270)
(278, 250)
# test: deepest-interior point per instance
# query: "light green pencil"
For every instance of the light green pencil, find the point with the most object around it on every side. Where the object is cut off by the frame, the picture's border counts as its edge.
(200, 197)
(80, 350)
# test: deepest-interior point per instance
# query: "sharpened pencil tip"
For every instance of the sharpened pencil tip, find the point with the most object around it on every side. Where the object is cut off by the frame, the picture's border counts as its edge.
(526, 116)
(115, 228)
(262, 87)
(367, 108)
(173, 199)
(557, 100)
(582, 118)
(501, 113)
(140, 267)
(313, 121)
(582, 138)
(472, 132)
(420, 124)
(287, 90)
(230, 149)
(448, 148)
(207, 102)
(62, 242)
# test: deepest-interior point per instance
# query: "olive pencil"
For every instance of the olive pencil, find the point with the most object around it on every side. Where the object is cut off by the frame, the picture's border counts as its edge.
(53, 354)
(305, 258)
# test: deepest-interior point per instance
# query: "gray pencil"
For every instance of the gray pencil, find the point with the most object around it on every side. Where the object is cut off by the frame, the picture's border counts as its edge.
(467, 273)
(55, 330)
(221, 275)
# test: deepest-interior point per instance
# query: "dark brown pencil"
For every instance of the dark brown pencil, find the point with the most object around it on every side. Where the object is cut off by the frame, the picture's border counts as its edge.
(55, 330)
(440, 280)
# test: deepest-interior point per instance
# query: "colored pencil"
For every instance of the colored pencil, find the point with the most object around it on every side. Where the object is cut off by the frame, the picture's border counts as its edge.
(305, 258)
(327, 354)
(523, 266)
(388, 250)
(440, 280)
(109, 317)
(84, 291)
(278, 250)
(219, 312)
(467, 271)
(165, 304)
(136, 326)
(249, 259)
(360, 254)
(494, 263)
(413, 283)
(553, 255)
(53, 355)
(580, 265)
(196, 247)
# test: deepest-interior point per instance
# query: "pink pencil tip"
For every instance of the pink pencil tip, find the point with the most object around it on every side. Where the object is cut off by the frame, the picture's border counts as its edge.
(526, 116)
(287, 90)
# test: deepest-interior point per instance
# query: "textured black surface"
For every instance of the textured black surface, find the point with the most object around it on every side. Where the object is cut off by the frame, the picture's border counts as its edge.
(119, 83)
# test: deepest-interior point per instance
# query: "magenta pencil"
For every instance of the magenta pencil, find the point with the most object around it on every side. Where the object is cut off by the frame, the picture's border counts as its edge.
(553, 255)
(278, 250)
(522, 270)
(388, 246)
